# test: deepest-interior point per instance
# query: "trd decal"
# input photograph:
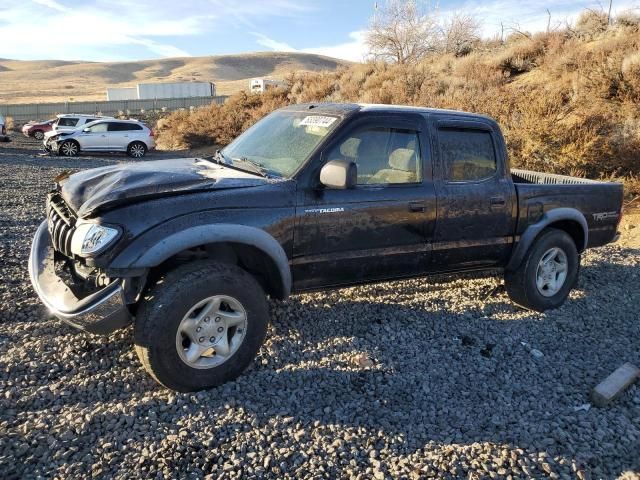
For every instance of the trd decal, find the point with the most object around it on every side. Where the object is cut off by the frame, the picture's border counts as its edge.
(598, 217)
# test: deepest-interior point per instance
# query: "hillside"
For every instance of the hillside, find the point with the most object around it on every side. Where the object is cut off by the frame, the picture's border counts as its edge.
(55, 80)
(567, 101)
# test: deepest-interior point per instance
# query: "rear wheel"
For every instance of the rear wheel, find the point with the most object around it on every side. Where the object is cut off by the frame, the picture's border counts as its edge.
(69, 148)
(547, 274)
(38, 134)
(201, 325)
(136, 149)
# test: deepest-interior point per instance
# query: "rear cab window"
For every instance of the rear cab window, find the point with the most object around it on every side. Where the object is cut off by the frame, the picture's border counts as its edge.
(468, 154)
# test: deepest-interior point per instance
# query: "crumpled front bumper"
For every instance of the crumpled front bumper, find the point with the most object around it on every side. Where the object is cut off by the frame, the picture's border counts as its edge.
(101, 312)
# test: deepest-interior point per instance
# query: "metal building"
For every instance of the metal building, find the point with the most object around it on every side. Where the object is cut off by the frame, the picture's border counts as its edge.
(151, 91)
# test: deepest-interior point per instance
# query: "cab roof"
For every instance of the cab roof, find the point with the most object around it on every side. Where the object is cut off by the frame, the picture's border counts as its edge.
(345, 109)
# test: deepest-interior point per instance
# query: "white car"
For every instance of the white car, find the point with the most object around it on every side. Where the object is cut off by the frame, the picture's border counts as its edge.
(68, 122)
(3, 130)
(110, 135)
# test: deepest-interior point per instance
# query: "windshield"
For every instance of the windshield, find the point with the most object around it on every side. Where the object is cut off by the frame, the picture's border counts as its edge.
(280, 142)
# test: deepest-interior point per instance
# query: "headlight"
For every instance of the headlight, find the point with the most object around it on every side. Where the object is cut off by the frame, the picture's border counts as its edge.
(91, 238)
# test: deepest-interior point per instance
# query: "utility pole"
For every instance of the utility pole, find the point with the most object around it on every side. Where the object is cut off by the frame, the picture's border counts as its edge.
(609, 14)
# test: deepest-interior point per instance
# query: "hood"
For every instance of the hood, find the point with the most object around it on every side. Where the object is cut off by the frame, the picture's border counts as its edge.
(106, 187)
(54, 132)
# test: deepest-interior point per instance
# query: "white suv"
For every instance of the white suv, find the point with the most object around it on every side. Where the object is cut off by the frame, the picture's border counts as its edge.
(4, 137)
(111, 135)
(68, 122)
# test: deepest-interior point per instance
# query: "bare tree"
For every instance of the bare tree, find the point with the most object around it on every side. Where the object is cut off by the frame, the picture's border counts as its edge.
(402, 32)
(459, 34)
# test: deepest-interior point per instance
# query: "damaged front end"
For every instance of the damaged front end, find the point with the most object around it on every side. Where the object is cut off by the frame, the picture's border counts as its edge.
(73, 290)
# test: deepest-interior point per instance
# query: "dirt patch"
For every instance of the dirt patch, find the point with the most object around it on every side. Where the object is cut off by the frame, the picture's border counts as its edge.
(630, 227)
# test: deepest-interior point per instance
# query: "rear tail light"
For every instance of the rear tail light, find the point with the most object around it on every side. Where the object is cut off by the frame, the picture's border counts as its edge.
(151, 134)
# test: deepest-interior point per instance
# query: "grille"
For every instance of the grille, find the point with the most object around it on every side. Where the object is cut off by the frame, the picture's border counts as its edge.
(61, 220)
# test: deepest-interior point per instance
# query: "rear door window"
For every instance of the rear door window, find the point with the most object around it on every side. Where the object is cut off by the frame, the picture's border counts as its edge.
(468, 155)
(123, 127)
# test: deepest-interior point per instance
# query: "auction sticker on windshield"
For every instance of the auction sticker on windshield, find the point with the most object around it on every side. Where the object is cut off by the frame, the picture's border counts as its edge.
(318, 121)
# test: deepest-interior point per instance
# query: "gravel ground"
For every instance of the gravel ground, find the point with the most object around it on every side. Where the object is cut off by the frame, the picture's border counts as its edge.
(411, 379)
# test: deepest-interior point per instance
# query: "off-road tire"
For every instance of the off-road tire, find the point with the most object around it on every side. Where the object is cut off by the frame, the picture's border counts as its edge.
(521, 282)
(166, 303)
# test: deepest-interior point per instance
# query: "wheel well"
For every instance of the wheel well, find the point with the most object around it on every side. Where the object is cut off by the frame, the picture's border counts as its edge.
(573, 229)
(136, 141)
(248, 257)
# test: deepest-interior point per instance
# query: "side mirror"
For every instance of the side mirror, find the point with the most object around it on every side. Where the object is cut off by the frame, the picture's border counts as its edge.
(85, 130)
(339, 174)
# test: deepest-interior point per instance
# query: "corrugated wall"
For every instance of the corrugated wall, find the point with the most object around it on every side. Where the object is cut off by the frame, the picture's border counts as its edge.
(22, 113)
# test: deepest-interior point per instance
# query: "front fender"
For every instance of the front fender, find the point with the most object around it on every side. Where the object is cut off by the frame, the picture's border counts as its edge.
(147, 252)
(533, 230)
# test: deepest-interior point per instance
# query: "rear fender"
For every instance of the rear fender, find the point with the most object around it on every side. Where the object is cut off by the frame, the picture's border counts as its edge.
(531, 233)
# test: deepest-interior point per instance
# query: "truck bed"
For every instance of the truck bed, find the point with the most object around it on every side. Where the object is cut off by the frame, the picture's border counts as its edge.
(599, 202)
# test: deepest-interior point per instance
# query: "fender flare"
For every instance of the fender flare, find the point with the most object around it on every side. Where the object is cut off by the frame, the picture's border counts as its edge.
(533, 230)
(166, 247)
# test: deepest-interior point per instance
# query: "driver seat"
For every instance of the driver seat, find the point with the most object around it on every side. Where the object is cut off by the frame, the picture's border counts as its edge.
(403, 168)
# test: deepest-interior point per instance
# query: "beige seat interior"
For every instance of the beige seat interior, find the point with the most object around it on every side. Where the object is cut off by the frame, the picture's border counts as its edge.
(402, 163)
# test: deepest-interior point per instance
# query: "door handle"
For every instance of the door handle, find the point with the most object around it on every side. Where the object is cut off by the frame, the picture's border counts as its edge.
(416, 206)
(497, 201)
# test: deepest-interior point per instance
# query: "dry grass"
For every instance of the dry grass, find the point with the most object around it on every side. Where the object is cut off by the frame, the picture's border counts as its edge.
(567, 101)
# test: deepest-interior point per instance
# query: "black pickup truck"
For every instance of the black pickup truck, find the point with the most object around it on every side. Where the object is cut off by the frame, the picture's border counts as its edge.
(312, 197)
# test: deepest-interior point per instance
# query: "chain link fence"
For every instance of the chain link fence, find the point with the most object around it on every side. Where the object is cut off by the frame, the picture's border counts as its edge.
(22, 113)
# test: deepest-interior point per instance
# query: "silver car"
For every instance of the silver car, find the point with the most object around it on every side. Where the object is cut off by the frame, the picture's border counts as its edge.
(111, 135)
(4, 137)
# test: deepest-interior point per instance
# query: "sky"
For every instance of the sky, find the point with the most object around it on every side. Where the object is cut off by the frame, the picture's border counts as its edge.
(121, 30)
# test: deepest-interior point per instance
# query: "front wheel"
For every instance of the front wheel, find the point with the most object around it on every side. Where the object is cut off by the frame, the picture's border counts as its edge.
(38, 135)
(201, 325)
(69, 148)
(547, 274)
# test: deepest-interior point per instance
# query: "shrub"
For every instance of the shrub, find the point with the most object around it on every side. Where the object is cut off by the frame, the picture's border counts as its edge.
(631, 76)
(628, 20)
(217, 124)
(522, 55)
(591, 24)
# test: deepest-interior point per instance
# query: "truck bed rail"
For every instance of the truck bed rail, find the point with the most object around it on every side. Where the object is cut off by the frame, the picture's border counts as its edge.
(529, 176)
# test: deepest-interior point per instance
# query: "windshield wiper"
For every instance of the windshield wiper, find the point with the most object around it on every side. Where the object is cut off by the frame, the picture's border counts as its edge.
(219, 158)
(255, 167)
